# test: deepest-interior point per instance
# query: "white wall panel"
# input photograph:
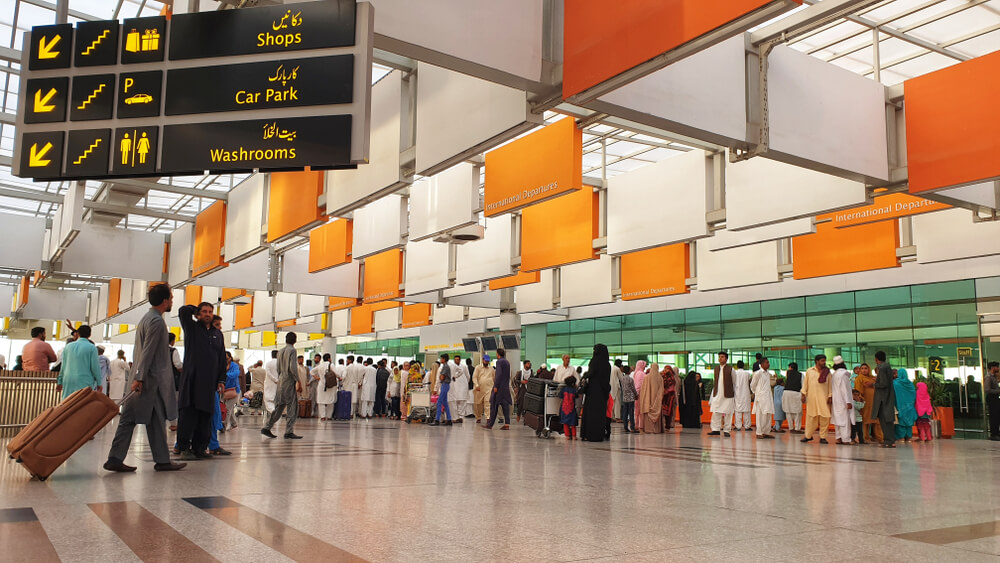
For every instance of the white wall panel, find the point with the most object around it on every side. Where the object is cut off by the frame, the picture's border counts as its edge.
(55, 239)
(489, 257)
(426, 266)
(586, 283)
(721, 240)
(125, 295)
(340, 322)
(340, 281)
(211, 294)
(388, 319)
(483, 313)
(746, 265)
(21, 242)
(249, 273)
(379, 226)
(171, 318)
(111, 252)
(53, 304)
(985, 194)
(456, 113)
(6, 300)
(444, 201)
(447, 314)
(485, 298)
(256, 342)
(285, 306)
(245, 217)
(140, 291)
(826, 117)
(263, 308)
(346, 188)
(94, 313)
(179, 263)
(103, 294)
(760, 191)
(228, 314)
(459, 290)
(951, 234)
(703, 93)
(682, 181)
(312, 304)
(536, 296)
(450, 334)
(71, 218)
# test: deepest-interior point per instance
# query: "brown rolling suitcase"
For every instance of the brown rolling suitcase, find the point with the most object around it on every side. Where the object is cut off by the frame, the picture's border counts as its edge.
(305, 408)
(49, 440)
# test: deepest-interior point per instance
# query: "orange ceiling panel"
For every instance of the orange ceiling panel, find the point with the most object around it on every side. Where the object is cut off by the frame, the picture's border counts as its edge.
(330, 244)
(417, 314)
(209, 239)
(293, 202)
(830, 251)
(560, 231)
(520, 278)
(656, 272)
(891, 206)
(383, 275)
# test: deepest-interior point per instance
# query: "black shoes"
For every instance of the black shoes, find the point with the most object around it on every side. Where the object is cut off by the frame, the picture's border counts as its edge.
(220, 451)
(291, 436)
(726, 433)
(118, 466)
(823, 441)
(267, 433)
(434, 423)
(169, 466)
(192, 456)
(804, 440)
(714, 433)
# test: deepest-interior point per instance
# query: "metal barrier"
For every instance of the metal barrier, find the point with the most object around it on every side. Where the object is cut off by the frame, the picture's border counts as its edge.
(23, 396)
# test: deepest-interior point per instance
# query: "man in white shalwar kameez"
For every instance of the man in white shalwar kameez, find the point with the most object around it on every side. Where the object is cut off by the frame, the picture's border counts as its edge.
(616, 389)
(841, 409)
(354, 373)
(741, 384)
(366, 405)
(723, 402)
(270, 382)
(326, 397)
(458, 397)
(763, 405)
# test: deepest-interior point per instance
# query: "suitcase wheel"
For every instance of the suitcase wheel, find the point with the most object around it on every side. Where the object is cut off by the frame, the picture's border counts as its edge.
(545, 433)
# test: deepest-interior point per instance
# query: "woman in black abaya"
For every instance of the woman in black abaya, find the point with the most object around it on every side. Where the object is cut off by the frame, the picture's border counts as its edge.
(690, 401)
(595, 404)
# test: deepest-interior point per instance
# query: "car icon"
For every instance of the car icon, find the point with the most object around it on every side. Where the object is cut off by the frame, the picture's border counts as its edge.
(139, 99)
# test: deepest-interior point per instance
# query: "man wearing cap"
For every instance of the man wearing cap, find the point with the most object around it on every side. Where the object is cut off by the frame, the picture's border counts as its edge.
(842, 407)
(482, 381)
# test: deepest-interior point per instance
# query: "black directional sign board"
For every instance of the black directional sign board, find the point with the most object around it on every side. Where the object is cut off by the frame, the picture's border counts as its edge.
(283, 28)
(274, 144)
(135, 151)
(105, 99)
(144, 39)
(87, 153)
(96, 43)
(93, 97)
(288, 83)
(41, 154)
(46, 100)
(51, 46)
(139, 94)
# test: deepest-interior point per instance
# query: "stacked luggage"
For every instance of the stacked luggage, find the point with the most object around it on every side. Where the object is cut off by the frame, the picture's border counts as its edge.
(53, 436)
(535, 415)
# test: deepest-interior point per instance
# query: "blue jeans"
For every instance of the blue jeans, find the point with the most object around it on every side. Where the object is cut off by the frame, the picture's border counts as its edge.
(443, 402)
(628, 414)
(213, 442)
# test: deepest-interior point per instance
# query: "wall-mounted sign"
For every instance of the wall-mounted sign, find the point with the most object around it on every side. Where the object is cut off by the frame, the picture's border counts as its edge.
(70, 124)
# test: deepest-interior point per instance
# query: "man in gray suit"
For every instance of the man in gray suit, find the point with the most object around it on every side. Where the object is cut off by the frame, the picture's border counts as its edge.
(288, 386)
(151, 401)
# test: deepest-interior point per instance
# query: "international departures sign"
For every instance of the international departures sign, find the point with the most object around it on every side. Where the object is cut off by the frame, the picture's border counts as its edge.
(267, 88)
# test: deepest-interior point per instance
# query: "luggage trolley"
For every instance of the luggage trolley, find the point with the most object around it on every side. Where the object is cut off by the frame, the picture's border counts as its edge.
(420, 403)
(541, 403)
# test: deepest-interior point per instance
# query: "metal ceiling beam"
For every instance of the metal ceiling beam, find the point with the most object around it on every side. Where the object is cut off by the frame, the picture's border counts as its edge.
(73, 13)
(194, 192)
(124, 210)
(10, 55)
(807, 20)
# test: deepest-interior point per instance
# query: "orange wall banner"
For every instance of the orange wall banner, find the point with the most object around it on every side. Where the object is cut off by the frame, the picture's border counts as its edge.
(209, 239)
(243, 316)
(229, 293)
(656, 272)
(602, 39)
(293, 202)
(338, 303)
(534, 168)
(330, 244)
(559, 232)
(951, 138)
(23, 289)
(418, 314)
(285, 324)
(520, 278)
(192, 295)
(362, 319)
(891, 206)
(114, 296)
(830, 251)
(383, 274)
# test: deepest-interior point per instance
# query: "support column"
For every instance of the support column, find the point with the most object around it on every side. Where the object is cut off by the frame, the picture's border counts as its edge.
(533, 345)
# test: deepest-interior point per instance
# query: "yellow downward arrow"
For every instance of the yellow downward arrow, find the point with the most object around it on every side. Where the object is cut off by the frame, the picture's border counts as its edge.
(42, 104)
(45, 50)
(35, 158)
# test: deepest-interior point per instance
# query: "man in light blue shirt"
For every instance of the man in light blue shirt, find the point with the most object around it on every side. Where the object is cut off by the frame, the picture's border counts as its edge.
(80, 366)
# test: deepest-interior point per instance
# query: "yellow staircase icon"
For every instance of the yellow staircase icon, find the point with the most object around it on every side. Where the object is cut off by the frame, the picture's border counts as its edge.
(96, 42)
(91, 97)
(87, 152)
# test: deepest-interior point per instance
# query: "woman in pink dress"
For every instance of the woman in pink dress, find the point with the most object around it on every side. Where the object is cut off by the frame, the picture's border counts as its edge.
(638, 375)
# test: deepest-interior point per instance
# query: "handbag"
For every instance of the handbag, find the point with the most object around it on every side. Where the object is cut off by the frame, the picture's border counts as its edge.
(229, 394)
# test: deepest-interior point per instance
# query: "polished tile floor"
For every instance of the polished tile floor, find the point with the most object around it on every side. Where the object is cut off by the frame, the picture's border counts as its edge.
(386, 491)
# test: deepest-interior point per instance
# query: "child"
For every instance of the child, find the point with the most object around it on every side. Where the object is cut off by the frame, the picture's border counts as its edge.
(628, 403)
(924, 412)
(857, 436)
(567, 410)
(779, 413)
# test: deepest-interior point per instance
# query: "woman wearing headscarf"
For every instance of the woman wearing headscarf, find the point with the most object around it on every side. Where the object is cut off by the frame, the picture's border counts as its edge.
(595, 404)
(690, 401)
(639, 375)
(906, 405)
(669, 403)
(925, 410)
(651, 402)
